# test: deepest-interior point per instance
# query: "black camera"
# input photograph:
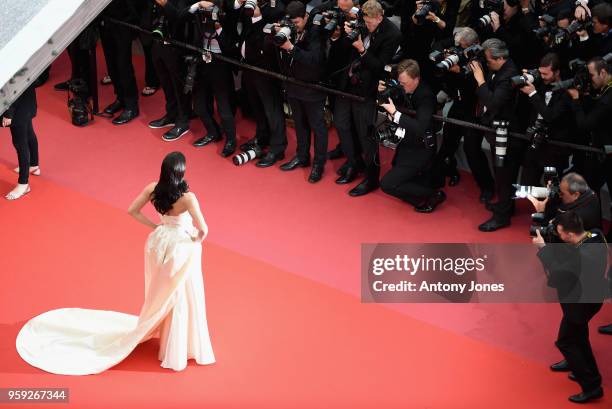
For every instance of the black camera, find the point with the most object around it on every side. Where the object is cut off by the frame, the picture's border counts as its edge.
(285, 30)
(490, 6)
(192, 62)
(570, 32)
(581, 80)
(428, 6)
(358, 27)
(79, 103)
(209, 16)
(331, 19)
(537, 133)
(448, 58)
(526, 78)
(389, 135)
(393, 89)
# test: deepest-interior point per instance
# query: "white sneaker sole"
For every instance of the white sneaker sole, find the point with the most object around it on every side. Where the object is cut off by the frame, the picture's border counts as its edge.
(175, 139)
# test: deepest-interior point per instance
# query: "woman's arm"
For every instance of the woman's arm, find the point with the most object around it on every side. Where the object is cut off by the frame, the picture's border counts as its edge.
(135, 208)
(196, 214)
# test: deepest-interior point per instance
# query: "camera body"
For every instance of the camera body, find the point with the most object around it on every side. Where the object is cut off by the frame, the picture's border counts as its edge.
(335, 18)
(285, 30)
(393, 89)
(209, 16)
(248, 8)
(537, 133)
(581, 80)
(428, 6)
(528, 77)
(570, 32)
(539, 222)
(450, 57)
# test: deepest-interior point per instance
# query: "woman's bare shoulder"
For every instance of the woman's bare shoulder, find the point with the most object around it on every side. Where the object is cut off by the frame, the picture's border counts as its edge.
(150, 187)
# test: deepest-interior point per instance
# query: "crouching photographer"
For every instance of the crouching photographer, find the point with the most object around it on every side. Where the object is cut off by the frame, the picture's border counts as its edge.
(577, 269)
(551, 119)
(571, 193)
(410, 176)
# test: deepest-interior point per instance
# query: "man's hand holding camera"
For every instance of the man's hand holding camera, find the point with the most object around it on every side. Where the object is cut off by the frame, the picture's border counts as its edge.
(477, 72)
(538, 240)
(390, 106)
(358, 44)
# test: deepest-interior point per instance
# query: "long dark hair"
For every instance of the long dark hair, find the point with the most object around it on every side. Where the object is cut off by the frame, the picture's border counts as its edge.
(171, 185)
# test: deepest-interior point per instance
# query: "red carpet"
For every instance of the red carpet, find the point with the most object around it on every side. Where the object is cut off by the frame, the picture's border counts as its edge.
(280, 340)
(282, 274)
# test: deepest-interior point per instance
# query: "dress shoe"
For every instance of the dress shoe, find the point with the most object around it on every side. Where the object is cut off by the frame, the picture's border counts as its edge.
(113, 108)
(269, 159)
(163, 122)
(453, 180)
(572, 377)
(561, 366)
(316, 173)
(342, 169)
(486, 196)
(175, 133)
(228, 149)
(295, 163)
(363, 188)
(605, 329)
(584, 397)
(492, 224)
(350, 175)
(125, 117)
(206, 140)
(431, 203)
(62, 86)
(335, 153)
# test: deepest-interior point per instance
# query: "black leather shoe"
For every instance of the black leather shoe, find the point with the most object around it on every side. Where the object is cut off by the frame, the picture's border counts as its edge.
(269, 159)
(335, 153)
(430, 204)
(605, 329)
(363, 188)
(572, 377)
(350, 175)
(175, 133)
(295, 163)
(342, 169)
(113, 108)
(206, 140)
(486, 196)
(163, 122)
(584, 397)
(125, 117)
(492, 224)
(316, 173)
(453, 180)
(62, 86)
(228, 149)
(561, 366)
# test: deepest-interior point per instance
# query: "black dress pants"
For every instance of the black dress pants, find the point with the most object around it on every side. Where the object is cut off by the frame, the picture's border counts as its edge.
(307, 116)
(117, 46)
(168, 62)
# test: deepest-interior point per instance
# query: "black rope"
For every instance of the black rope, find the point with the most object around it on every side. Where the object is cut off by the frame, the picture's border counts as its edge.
(342, 94)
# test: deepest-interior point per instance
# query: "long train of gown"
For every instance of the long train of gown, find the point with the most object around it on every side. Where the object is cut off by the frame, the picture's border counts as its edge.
(75, 341)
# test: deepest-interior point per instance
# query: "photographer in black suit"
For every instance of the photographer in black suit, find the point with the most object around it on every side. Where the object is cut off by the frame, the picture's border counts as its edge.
(264, 93)
(371, 51)
(497, 101)
(19, 118)
(305, 61)
(214, 78)
(410, 177)
(551, 119)
(577, 270)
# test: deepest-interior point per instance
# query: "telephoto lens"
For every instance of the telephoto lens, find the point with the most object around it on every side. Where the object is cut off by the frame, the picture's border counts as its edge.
(247, 156)
(501, 141)
(249, 7)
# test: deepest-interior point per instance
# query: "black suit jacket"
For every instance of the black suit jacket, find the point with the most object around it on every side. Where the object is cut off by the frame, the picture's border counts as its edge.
(24, 108)
(498, 96)
(423, 102)
(369, 67)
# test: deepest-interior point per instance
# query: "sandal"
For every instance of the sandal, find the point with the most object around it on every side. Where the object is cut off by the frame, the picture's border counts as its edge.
(106, 80)
(148, 91)
(34, 170)
(14, 196)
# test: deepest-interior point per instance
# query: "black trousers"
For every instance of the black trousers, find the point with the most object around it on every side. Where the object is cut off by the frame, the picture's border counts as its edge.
(445, 161)
(361, 115)
(168, 62)
(151, 78)
(308, 115)
(410, 180)
(117, 46)
(215, 79)
(573, 342)
(533, 167)
(266, 101)
(26, 145)
(79, 60)
(477, 160)
(505, 177)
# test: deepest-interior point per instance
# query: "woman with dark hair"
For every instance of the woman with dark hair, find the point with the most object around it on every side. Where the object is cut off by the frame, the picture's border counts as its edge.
(74, 341)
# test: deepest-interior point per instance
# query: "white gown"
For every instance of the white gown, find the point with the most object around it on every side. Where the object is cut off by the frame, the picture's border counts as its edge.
(75, 341)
